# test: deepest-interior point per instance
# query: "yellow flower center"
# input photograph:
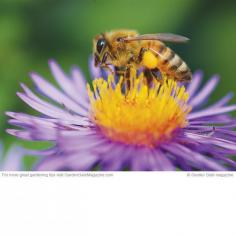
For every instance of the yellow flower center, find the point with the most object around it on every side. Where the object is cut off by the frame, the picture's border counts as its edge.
(142, 115)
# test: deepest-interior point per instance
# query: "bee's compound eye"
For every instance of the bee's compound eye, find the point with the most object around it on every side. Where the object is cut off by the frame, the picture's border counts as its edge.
(101, 44)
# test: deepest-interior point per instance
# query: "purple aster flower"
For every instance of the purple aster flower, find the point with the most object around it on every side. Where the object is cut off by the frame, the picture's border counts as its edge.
(164, 127)
(13, 159)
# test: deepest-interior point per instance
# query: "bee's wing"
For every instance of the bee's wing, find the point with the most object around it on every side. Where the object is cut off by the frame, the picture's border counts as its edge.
(166, 37)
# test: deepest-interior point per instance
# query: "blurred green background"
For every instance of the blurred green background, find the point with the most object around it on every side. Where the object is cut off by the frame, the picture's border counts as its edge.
(33, 31)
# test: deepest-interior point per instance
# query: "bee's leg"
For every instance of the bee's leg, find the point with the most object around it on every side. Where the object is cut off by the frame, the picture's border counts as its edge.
(106, 67)
(157, 75)
(125, 74)
(140, 55)
(127, 78)
(149, 76)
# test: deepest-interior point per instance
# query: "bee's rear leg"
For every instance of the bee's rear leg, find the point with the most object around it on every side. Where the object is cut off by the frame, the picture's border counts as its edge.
(157, 74)
(141, 52)
(149, 76)
(153, 74)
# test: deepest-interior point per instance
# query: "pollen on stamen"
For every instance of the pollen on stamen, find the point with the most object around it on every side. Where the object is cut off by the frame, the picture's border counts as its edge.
(141, 115)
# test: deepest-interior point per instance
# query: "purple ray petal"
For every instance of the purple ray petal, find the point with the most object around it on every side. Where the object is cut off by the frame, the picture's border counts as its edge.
(36, 133)
(212, 140)
(13, 159)
(214, 119)
(163, 162)
(20, 134)
(79, 83)
(205, 92)
(140, 162)
(95, 71)
(227, 160)
(195, 83)
(49, 122)
(152, 163)
(194, 158)
(223, 101)
(36, 124)
(83, 142)
(50, 91)
(78, 92)
(52, 111)
(204, 122)
(116, 156)
(51, 163)
(81, 161)
(137, 164)
(224, 130)
(32, 96)
(211, 112)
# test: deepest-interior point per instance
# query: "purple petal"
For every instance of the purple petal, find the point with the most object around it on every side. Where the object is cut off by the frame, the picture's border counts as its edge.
(34, 132)
(82, 142)
(152, 162)
(51, 163)
(205, 92)
(95, 71)
(56, 95)
(211, 112)
(195, 83)
(13, 159)
(77, 161)
(41, 128)
(215, 119)
(223, 101)
(81, 161)
(49, 122)
(193, 158)
(205, 139)
(79, 83)
(163, 162)
(227, 160)
(116, 156)
(52, 111)
(210, 121)
(78, 92)
(142, 160)
(20, 134)
(138, 164)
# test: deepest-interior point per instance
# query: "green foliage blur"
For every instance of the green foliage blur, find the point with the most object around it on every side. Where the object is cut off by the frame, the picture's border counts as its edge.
(33, 31)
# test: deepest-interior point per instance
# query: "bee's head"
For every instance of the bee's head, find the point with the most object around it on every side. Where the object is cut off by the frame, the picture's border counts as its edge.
(100, 46)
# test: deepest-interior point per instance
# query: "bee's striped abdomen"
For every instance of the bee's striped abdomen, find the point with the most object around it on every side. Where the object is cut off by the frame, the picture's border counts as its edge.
(172, 64)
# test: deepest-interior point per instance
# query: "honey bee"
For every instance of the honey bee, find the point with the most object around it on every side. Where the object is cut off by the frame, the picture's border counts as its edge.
(126, 49)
